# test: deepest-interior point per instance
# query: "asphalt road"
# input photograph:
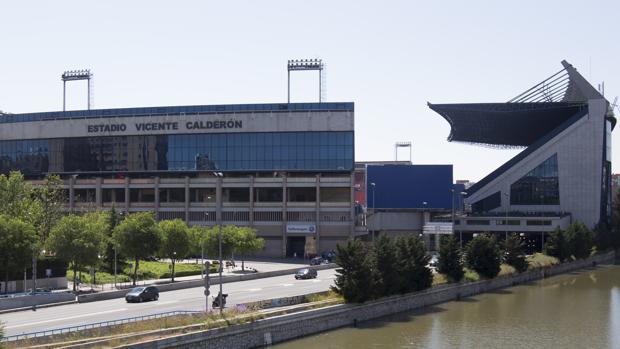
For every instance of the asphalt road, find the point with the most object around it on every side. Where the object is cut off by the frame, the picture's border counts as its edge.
(187, 299)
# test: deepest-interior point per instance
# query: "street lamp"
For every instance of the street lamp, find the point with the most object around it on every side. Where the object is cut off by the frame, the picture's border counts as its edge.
(374, 219)
(219, 228)
(506, 210)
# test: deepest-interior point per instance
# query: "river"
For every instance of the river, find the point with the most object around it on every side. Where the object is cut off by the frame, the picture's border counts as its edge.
(576, 310)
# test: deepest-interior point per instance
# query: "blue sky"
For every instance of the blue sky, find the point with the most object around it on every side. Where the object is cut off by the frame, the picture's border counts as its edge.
(389, 57)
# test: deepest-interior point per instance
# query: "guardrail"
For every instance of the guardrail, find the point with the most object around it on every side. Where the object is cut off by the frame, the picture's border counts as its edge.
(96, 325)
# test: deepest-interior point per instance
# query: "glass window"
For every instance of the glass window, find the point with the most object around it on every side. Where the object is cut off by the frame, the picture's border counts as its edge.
(202, 195)
(540, 186)
(268, 194)
(236, 194)
(303, 194)
(335, 194)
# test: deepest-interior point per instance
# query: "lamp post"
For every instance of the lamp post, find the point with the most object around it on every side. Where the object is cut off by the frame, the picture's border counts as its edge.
(221, 300)
(374, 219)
(506, 211)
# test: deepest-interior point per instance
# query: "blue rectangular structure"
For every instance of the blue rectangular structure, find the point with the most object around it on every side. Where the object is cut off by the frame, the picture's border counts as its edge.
(410, 186)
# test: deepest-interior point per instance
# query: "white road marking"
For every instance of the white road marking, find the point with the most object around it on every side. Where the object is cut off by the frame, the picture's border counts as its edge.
(166, 302)
(317, 280)
(287, 285)
(68, 318)
(255, 289)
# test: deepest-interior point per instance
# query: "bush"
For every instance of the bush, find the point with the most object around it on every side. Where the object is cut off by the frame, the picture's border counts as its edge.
(581, 240)
(415, 275)
(514, 253)
(450, 260)
(384, 262)
(483, 256)
(558, 245)
(354, 279)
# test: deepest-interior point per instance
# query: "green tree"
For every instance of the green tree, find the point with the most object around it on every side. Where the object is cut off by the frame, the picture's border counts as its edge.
(247, 243)
(558, 246)
(514, 253)
(353, 279)
(412, 266)
(175, 243)
(50, 201)
(450, 261)
(138, 236)
(384, 267)
(17, 239)
(78, 240)
(615, 222)
(16, 197)
(603, 237)
(113, 217)
(581, 240)
(483, 255)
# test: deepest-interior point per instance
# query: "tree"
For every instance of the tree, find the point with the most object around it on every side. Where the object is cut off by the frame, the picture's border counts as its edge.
(50, 199)
(175, 243)
(615, 222)
(483, 255)
(16, 197)
(138, 237)
(412, 265)
(353, 279)
(581, 240)
(514, 253)
(558, 246)
(247, 243)
(113, 219)
(78, 240)
(385, 269)
(17, 239)
(450, 261)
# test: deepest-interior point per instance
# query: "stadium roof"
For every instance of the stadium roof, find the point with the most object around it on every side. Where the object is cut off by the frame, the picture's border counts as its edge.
(178, 110)
(524, 119)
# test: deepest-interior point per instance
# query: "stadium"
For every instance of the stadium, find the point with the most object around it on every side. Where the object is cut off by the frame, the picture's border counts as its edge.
(562, 175)
(285, 169)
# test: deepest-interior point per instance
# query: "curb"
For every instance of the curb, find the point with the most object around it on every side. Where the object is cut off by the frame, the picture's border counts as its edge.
(34, 308)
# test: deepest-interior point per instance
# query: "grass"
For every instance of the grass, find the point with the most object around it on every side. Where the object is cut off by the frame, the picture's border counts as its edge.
(146, 270)
(439, 279)
(329, 295)
(538, 260)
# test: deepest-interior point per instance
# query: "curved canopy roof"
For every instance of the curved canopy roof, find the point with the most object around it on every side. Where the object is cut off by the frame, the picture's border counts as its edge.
(504, 124)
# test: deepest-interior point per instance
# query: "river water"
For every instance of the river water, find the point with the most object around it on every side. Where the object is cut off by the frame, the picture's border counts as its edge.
(577, 310)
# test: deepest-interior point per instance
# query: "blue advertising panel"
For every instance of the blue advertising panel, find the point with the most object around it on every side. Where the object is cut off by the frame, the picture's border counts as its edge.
(410, 186)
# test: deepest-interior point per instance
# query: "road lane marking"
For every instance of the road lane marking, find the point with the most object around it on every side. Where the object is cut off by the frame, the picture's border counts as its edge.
(67, 318)
(287, 285)
(166, 302)
(255, 289)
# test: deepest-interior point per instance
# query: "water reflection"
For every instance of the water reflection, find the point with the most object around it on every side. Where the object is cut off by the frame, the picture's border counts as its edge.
(577, 310)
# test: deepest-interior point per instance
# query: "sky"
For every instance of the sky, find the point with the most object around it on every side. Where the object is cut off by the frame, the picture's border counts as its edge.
(389, 57)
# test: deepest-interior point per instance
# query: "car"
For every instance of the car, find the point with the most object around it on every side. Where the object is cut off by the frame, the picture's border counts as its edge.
(316, 261)
(306, 274)
(434, 261)
(141, 294)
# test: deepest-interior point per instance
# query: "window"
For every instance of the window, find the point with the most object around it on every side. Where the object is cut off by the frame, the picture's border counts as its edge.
(236, 194)
(487, 204)
(202, 195)
(510, 222)
(142, 195)
(113, 195)
(84, 195)
(540, 186)
(268, 194)
(335, 194)
(538, 223)
(302, 194)
(478, 222)
(172, 195)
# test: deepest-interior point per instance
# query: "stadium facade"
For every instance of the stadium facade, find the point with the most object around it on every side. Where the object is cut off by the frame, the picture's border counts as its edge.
(564, 173)
(285, 169)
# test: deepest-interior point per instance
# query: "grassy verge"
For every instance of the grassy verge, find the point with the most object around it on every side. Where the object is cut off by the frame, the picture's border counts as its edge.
(330, 295)
(538, 260)
(147, 270)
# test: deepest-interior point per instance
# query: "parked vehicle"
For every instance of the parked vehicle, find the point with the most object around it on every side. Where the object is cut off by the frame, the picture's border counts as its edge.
(316, 261)
(141, 294)
(216, 300)
(306, 274)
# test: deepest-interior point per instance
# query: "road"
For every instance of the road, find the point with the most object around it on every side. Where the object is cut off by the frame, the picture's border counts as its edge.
(187, 299)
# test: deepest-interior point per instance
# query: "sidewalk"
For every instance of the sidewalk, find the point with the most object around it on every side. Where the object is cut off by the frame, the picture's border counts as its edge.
(260, 265)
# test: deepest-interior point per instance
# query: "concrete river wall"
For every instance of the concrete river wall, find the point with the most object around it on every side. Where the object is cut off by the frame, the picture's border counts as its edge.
(287, 327)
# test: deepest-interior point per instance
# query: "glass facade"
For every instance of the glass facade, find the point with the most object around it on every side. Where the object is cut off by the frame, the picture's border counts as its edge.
(540, 186)
(264, 151)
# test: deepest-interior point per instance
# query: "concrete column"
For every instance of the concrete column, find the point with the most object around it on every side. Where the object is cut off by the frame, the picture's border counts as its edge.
(251, 201)
(156, 203)
(352, 201)
(317, 219)
(127, 194)
(284, 220)
(187, 200)
(98, 193)
(71, 194)
(219, 199)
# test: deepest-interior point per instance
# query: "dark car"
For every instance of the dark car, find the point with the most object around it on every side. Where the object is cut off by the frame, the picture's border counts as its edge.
(306, 274)
(141, 294)
(316, 261)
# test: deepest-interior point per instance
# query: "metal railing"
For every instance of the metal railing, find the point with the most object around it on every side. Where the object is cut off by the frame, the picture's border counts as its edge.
(94, 325)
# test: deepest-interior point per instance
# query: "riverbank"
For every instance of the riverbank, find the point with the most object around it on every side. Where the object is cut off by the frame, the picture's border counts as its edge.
(287, 327)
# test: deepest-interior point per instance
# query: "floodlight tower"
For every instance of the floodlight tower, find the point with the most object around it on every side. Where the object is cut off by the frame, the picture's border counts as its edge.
(73, 75)
(305, 64)
(401, 145)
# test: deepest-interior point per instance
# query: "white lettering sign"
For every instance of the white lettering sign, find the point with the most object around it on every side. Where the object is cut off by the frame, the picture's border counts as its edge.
(301, 228)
